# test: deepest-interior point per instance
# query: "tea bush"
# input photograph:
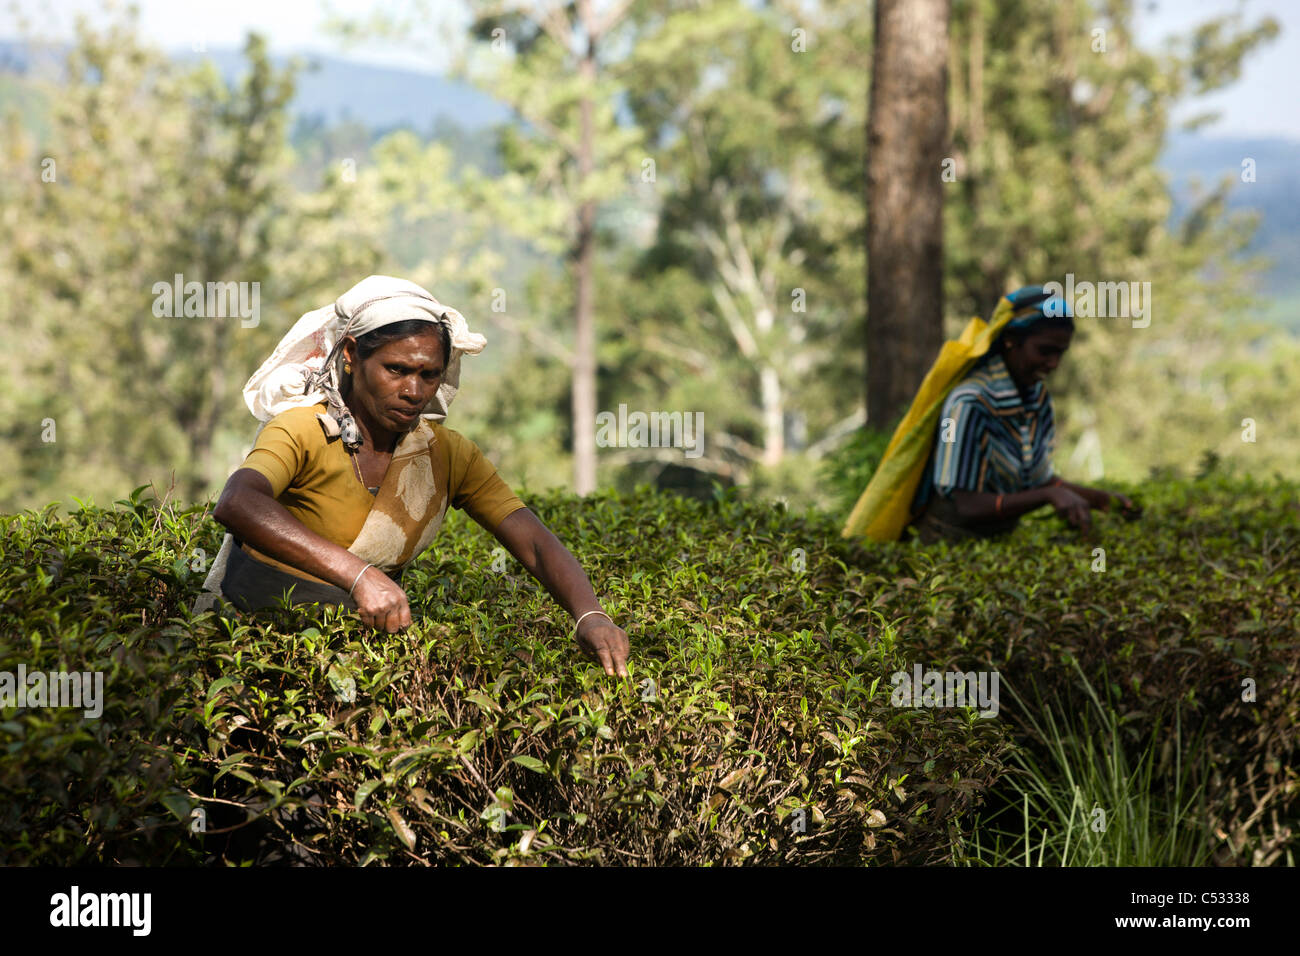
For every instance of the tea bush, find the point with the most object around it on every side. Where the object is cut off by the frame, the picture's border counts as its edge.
(757, 726)
(1194, 620)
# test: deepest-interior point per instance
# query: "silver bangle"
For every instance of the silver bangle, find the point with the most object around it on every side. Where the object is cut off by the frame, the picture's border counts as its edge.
(358, 578)
(579, 620)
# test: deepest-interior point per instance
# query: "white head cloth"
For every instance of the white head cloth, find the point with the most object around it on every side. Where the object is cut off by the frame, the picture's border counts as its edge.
(295, 373)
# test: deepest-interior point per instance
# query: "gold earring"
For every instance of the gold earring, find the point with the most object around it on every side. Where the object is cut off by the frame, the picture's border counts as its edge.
(347, 367)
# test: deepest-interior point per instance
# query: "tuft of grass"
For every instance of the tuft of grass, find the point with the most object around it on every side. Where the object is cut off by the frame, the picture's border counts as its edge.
(1079, 798)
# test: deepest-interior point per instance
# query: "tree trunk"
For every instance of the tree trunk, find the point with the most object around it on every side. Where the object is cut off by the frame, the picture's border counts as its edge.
(584, 343)
(907, 141)
(773, 417)
(198, 414)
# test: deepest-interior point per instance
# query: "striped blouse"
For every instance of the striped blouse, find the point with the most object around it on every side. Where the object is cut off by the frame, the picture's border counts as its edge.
(991, 439)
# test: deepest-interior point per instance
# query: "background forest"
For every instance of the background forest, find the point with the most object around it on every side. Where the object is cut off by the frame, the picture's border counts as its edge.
(713, 232)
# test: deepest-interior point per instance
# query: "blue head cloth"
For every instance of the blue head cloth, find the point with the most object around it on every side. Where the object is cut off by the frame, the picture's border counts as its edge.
(1032, 305)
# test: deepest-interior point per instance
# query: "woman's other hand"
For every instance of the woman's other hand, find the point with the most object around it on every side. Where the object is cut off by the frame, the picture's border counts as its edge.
(1109, 501)
(381, 603)
(1105, 500)
(605, 641)
(1128, 509)
(1071, 506)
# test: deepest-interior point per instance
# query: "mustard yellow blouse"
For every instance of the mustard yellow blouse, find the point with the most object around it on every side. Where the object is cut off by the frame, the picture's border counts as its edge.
(314, 478)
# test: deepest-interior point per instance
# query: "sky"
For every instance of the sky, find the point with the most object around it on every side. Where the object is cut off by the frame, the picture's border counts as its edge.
(1262, 103)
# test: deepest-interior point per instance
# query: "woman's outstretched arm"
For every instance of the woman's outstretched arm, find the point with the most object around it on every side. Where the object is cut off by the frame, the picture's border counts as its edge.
(549, 561)
(1100, 498)
(985, 506)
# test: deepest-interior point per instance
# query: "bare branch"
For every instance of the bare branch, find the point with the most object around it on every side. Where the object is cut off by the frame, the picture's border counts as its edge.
(746, 275)
(698, 361)
(738, 445)
(611, 18)
(731, 315)
(566, 143)
(837, 433)
(558, 27)
(671, 456)
(542, 341)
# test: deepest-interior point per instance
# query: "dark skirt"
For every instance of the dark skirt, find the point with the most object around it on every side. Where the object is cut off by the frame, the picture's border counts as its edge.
(250, 585)
(941, 522)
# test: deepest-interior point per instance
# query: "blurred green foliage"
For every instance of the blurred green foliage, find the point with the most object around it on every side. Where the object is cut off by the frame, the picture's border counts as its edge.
(729, 280)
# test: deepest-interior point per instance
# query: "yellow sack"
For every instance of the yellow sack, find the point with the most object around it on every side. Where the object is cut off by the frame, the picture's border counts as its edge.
(883, 510)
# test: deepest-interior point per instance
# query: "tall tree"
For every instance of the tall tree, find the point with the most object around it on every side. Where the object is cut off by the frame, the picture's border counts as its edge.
(560, 66)
(907, 137)
(560, 81)
(736, 101)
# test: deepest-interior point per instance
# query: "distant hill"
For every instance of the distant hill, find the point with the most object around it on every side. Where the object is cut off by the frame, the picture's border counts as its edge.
(337, 90)
(1192, 160)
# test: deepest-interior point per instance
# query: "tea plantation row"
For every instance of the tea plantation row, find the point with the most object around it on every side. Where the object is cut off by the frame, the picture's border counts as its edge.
(757, 726)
